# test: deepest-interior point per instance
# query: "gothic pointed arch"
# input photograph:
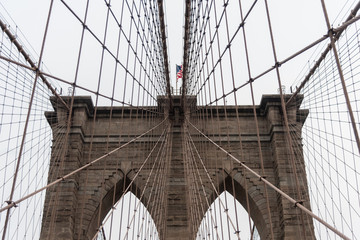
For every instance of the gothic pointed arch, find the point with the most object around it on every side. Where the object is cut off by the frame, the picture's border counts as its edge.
(111, 191)
(235, 185)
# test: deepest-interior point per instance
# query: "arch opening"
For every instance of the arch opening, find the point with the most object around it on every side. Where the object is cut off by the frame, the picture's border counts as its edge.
(128, 219)
(117, 204)
(225, 224)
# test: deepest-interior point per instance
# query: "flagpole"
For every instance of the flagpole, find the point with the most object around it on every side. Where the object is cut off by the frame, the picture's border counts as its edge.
(176, 89)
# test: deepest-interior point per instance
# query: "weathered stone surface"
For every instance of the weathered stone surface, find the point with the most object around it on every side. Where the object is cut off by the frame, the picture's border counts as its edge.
(72, 207)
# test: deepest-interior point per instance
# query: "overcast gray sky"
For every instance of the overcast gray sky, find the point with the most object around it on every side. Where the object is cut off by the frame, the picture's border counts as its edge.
(295, 23)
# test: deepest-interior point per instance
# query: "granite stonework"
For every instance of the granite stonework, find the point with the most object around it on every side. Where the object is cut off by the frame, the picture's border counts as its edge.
(72, 207)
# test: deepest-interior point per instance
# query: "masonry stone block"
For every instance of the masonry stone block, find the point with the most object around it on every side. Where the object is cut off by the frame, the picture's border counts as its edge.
(82, 200)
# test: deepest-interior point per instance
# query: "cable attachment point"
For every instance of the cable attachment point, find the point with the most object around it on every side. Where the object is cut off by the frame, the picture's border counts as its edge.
(331, 32)
(62, 178)
(301, 202)
(11, 203)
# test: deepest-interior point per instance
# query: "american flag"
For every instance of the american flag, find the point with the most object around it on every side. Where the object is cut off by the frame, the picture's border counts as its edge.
(178, 71)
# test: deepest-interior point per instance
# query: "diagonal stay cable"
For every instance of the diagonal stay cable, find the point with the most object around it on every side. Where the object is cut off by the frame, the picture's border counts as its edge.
(14, 203)
(159, 157)
(164, 47)
(79, 86)
(226, 49)
(98, 40)
(341, 75)
(197, 178)
(30, 61)
(212, 182)
(235, 89)
(26, 122)
(338, 31)
(132, 181)
(269, 184)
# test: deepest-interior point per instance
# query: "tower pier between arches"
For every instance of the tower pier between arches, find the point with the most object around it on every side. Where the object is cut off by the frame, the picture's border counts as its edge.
(75, 208)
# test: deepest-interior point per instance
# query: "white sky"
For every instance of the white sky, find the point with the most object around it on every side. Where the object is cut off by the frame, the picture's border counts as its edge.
(295, 23)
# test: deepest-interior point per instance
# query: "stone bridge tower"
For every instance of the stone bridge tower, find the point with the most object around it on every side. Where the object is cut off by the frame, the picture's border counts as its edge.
(102, 183)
